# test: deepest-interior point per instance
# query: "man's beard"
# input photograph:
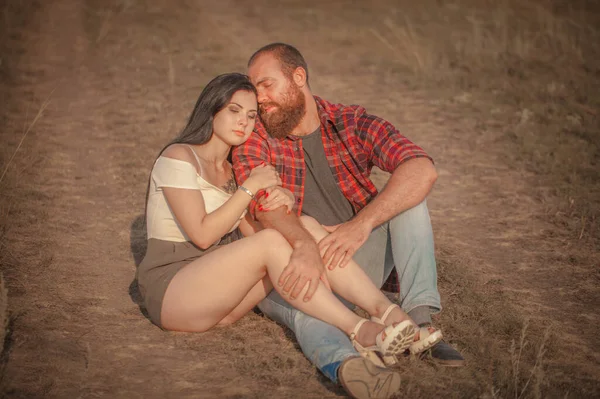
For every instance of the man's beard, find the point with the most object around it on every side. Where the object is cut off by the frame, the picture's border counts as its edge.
(281, 121)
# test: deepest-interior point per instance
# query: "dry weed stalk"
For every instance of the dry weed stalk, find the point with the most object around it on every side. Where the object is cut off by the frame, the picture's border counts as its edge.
(536, 374)
(171, 74)
(37, 117)
(3, 312)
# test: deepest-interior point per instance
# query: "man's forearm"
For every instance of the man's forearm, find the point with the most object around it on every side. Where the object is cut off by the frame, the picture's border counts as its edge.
(407, 187)
(287, 224)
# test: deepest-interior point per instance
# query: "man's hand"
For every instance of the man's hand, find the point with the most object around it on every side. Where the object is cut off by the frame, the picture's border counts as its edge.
(345, 239)
(306, 266)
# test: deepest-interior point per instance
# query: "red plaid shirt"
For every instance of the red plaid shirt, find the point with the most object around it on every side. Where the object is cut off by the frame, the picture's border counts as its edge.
(354, 142)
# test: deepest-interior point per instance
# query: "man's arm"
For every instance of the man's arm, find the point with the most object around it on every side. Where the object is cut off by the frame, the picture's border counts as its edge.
(246, 157)
(413, 176)
(305, 263)
(407, 187)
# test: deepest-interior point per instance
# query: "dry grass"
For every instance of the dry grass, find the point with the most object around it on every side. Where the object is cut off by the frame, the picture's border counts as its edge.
(35, 119)
(539, 58)
(526, 72)
(530, 71)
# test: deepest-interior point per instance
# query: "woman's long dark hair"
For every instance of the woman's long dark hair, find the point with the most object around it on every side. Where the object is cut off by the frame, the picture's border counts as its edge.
(214, 97)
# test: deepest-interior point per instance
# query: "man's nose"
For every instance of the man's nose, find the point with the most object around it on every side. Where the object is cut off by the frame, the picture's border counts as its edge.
(262, 97)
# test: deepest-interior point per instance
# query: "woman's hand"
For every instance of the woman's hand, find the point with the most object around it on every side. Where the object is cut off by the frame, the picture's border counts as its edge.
(275, 197)
(262, 177)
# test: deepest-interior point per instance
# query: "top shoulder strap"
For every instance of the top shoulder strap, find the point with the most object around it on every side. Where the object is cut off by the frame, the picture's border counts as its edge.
(195, 156)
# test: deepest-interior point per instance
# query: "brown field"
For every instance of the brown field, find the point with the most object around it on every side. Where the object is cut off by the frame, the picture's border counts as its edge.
(505, 95)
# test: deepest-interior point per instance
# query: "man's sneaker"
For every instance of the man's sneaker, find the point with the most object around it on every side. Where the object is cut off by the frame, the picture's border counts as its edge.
(362, 379)
(444, 355)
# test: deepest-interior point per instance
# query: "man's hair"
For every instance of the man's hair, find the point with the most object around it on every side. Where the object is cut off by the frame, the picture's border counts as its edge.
(288, 56)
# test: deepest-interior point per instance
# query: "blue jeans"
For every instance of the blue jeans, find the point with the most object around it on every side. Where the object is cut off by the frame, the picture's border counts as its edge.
(406, 241)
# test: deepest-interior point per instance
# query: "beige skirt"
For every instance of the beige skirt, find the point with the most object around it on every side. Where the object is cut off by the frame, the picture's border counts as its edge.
(162, 261)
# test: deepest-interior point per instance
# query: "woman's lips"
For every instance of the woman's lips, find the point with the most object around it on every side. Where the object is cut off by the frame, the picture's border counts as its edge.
(239, 133)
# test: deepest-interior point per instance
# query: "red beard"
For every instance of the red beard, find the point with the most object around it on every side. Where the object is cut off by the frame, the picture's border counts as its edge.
(282, 120)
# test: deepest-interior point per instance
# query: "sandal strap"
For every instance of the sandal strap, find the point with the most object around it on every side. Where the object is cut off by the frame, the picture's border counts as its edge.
(426, 339)
(397, 338)
(356, 329)
(385, 314)
(424, 333)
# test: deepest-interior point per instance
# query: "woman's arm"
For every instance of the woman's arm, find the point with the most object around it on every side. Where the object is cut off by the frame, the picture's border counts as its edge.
(249, 226)
(204, 229)
(188, 206)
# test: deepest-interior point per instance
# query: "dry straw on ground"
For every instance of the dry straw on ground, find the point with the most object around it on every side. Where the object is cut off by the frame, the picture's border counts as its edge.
(503, 94)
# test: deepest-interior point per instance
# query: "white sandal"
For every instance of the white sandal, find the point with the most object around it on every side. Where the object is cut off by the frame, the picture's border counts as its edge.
(397, 339)
(370, 352)
(385, 314)
(426, 340)
(391, 360)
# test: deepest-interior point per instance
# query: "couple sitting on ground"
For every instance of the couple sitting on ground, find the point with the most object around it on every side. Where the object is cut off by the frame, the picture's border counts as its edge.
(304, 231)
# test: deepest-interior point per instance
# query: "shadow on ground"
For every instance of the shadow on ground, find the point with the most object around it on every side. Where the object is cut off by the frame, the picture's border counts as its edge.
(138, 245)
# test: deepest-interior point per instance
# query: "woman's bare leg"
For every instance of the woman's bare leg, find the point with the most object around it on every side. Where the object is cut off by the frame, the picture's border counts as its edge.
(225, 282)
(256, 294)
(353, 284)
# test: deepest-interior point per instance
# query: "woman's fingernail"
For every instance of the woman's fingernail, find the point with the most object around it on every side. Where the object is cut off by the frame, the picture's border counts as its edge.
(288, 211)
(266, 195)
(260, 208)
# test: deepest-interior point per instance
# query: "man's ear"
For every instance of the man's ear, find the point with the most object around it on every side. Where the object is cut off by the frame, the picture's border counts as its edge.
(299, 76)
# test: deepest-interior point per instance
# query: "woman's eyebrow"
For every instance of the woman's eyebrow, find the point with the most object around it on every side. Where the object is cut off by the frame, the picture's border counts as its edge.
(241, 106)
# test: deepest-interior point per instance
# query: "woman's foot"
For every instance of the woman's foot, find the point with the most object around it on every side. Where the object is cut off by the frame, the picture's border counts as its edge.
(366, 334)
(388, 341)
(392, 315)
(424, 337)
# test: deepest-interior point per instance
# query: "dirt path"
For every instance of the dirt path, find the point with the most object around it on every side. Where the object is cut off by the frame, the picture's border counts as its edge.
(125, 77)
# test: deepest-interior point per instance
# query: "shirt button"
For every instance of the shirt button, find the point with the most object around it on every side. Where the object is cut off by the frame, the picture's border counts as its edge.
(299, 200)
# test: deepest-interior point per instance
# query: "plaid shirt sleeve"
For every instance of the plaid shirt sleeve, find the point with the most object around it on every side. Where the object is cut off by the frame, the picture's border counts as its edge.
(386, 146)
(248, 156)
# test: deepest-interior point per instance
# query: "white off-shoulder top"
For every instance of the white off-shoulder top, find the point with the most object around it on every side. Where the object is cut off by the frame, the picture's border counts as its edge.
(168, 172)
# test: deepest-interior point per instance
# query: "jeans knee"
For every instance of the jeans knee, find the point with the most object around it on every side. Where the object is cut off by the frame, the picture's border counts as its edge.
(414, 222)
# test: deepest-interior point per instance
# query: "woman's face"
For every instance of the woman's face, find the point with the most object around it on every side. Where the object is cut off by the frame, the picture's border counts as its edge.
(234, 123)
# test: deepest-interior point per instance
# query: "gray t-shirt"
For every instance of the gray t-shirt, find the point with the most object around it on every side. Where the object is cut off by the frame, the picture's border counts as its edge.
(323, 199)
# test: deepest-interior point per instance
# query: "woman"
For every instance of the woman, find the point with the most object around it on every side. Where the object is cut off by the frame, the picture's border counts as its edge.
(198, 273)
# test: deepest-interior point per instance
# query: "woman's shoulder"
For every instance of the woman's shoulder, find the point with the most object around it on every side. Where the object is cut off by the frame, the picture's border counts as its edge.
(180, 152)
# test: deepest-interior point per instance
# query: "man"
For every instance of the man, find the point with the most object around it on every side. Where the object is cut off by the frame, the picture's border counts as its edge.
(324, 153)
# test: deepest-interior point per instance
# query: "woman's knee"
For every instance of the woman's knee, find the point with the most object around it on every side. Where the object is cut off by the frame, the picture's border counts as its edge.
(271, 237)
